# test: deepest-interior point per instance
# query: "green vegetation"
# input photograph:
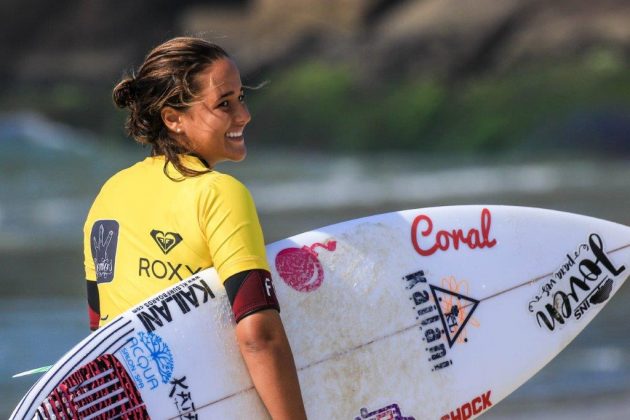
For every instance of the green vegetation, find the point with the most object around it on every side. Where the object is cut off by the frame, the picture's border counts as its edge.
(85, 106)
(320, 106)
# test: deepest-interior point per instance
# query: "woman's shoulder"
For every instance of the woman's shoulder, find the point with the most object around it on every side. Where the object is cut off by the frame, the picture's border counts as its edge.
(219, 184)
(207, 178)
(220, 190)
(134, 170)
(223, 180)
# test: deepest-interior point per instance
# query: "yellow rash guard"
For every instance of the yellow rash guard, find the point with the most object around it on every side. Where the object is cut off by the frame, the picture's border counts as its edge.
(145, 232)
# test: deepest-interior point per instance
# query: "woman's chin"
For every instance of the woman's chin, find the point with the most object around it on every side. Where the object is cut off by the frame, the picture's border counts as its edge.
(237, 154)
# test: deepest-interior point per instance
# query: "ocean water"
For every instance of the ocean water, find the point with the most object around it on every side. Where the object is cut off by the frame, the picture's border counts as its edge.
(46, 191)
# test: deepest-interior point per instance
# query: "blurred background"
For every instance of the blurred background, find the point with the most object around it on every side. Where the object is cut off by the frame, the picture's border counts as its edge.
(369, 106)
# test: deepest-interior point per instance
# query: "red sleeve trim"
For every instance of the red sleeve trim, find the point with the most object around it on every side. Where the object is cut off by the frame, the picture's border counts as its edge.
(95, 318)
(255, 294)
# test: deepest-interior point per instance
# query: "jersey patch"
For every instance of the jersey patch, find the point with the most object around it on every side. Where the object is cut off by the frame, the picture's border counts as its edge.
(104, 242)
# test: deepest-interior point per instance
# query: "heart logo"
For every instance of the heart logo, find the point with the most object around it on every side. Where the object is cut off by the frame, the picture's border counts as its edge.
(166, 241)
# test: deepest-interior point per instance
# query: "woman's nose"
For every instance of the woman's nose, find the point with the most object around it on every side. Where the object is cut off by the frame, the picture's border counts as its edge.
(242, 115)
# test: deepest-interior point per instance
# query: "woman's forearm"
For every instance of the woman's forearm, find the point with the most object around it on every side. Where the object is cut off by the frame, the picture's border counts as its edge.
(267, 354)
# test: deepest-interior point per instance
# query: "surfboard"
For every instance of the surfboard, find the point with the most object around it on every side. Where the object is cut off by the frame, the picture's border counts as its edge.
(427, 313)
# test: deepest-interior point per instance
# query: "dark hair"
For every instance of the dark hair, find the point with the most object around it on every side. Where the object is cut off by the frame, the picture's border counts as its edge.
(166, 78)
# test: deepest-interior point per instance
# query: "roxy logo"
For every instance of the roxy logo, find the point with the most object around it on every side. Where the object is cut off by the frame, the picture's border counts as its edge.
(166, 241)
(469, 409)
(443, 239)
(162, 270)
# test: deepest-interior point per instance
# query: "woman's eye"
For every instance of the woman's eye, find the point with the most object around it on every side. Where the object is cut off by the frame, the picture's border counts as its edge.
(224, 104)
(241, 97)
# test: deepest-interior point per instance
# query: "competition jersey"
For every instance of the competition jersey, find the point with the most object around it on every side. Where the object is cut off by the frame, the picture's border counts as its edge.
(145, 231)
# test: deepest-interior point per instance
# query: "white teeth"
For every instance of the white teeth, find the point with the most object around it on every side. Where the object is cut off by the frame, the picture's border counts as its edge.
(234, 135)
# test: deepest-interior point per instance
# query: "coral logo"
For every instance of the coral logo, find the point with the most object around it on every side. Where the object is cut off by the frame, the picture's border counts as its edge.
(166, 241)
(422, 227)
(104, 243)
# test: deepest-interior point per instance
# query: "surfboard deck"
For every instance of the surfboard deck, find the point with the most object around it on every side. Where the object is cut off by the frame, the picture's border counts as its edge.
(427, 313)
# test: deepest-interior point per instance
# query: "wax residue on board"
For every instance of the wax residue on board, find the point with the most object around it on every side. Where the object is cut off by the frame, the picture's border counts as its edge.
(357, 295)
(382, 372)
(219, 328)
(365, 306)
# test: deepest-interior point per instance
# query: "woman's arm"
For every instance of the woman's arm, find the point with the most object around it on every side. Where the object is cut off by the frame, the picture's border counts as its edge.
(264, 344)
(267, 353)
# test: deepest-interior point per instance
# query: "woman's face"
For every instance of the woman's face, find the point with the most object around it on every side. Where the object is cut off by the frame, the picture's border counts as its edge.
(213, 126)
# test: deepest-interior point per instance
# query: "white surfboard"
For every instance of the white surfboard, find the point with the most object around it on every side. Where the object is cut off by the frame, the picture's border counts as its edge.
(432, 313)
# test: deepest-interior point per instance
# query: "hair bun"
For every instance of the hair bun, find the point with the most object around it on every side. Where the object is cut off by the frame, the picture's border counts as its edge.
(124, 94)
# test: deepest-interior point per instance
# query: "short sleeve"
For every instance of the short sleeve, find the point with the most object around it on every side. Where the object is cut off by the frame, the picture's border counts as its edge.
(232, 228)
(90, 269)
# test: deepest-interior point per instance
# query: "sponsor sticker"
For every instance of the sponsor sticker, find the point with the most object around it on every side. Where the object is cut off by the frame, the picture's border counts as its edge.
(176, 301)
(443, 314)
(426, 243)
(300, 268)
(391, 412)
(471, 408)
(182, 398)
(149, 360)
(584, 280)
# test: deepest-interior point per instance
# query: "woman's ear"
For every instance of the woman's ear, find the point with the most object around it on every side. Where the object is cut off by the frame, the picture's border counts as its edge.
(172, 119)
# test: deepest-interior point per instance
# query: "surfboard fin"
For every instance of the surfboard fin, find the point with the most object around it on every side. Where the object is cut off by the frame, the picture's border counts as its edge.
(33, 371)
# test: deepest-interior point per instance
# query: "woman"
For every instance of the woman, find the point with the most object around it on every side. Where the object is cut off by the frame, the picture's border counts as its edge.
(174, 210)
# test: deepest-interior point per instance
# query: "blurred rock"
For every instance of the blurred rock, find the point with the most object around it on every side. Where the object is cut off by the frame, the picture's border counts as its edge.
(97, 40)
(461, 37)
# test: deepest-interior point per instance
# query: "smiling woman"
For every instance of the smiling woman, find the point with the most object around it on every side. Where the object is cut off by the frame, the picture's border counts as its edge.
(174, 213)
(213, 125)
